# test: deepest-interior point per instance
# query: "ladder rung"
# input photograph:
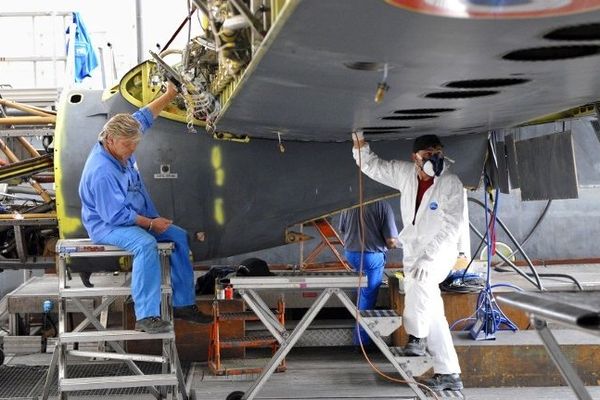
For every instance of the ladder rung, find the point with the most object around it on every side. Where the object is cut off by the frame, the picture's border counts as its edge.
(117, 356)
(248, 341)
(111, 336)
(102, 291)
(96, 291)
(379, 314)
(416, 366)
(112, 382)
(382, 322)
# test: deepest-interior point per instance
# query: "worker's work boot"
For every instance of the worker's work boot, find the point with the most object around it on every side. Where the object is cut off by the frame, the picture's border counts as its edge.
(152, 325)
(192, 314)
(415, 347)
(444, 382)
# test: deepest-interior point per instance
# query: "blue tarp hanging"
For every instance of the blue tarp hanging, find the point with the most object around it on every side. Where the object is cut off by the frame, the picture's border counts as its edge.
(85, 55)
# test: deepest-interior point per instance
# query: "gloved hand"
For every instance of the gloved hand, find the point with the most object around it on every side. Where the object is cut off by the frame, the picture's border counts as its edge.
(358, 139)
(420, 273)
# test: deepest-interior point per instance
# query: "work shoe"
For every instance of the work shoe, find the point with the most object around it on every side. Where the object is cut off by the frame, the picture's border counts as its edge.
(415, 347)
(192, 314)
(440, 382)
(152, 325)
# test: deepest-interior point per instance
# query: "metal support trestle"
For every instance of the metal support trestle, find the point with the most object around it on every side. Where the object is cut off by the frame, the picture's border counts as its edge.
(375, 323)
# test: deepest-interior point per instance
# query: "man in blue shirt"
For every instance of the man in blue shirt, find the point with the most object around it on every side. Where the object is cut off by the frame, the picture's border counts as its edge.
(380, 233)
(117, 210)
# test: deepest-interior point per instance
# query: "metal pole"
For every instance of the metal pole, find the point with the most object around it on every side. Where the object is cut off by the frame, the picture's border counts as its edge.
(139, 31)
(566, 370)
(102, 69)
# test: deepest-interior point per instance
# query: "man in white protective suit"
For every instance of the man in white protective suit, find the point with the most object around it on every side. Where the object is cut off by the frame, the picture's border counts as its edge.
(431, 204)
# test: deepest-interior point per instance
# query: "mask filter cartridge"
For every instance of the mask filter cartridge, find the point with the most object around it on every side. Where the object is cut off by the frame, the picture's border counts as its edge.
(434, 166)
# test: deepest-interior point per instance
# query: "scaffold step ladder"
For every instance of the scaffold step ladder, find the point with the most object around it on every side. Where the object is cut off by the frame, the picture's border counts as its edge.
(376, 323)
(240, 366)
(329, 240)
(168, 384)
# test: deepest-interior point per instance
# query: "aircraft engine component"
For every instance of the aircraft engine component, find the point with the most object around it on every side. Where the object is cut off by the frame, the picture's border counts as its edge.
(236, 22)
(206, 105)
(211, 62)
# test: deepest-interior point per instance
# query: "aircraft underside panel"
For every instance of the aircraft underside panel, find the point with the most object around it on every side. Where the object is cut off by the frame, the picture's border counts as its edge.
(240, 196)
(315, 78)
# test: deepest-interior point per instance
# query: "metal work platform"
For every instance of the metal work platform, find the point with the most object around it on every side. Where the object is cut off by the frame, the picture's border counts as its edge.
(376, 323)
(166, 384)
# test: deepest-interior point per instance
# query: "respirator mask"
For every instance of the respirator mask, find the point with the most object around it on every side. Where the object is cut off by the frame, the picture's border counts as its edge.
(434, 165)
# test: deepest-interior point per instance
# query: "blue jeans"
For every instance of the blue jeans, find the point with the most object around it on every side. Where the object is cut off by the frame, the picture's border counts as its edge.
(373, 265)
(146, 275)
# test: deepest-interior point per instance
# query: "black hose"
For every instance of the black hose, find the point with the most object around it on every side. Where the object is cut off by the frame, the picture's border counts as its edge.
(516, 243)
(547, 275)
(544, 275)
(520, 249)
(513, 266)
(537, 223)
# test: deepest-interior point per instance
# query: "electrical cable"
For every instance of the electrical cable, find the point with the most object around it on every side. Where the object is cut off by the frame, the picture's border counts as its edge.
(487, 310)
(357, 316)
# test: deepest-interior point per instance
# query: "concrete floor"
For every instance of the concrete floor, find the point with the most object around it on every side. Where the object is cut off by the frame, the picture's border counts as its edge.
(341, 373)
(323, 373)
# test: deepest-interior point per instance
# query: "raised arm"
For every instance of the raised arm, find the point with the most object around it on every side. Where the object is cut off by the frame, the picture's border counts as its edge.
(158, 104)
(390, 173)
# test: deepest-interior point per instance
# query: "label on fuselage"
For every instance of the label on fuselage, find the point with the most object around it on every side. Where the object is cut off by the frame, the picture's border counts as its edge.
(166, 175)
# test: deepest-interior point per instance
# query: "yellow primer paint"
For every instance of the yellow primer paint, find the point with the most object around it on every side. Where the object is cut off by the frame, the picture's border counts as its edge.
(135, 87)
(66, 224)
(216, 160)
(219, 211)
(220, 177)
(216, 157)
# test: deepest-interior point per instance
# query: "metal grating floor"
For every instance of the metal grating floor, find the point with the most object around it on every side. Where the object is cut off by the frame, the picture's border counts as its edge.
(28, 381)
(21, 381)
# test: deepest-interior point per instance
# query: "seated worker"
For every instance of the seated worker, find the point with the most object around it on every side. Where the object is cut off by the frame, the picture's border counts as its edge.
(380, 233)
(116, 209)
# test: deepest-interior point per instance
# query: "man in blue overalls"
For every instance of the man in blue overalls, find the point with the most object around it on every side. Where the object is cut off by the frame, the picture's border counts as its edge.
(116, 209)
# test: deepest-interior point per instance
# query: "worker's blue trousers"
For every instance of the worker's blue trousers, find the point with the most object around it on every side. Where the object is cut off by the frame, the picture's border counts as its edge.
(146, 275)
(373, 265)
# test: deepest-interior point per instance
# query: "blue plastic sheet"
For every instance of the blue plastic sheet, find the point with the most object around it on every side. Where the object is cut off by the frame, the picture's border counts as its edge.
(85, 55)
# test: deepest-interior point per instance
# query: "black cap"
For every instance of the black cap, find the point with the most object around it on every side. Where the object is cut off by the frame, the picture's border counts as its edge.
(425, 142)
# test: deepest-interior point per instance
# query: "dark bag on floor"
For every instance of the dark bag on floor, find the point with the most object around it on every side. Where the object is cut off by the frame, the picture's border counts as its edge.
(205, 284)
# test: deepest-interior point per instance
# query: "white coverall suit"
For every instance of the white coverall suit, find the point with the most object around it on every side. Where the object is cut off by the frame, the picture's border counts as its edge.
(431, 243)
